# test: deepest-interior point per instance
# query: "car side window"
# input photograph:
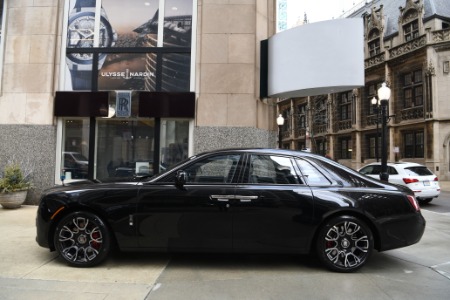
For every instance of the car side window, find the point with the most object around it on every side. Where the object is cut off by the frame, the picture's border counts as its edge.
(392, 171)
(270, 169)
(311, 175)
(213, 169)
(371, 170)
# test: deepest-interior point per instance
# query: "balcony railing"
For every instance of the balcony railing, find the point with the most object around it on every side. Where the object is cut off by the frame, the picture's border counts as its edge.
(374, 60)
(411, 113)
(439, 36)
(320, 129)
(371, 120)
(344, 125)
(300, 133)
(408, 47)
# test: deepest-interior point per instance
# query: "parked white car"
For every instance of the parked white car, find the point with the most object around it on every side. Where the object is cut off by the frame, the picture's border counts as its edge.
(417, 177)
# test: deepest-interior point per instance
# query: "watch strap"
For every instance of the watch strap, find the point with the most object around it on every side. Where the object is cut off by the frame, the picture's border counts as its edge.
(81, 80)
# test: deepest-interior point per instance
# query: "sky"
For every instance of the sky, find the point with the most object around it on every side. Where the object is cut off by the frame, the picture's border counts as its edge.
(318, 10)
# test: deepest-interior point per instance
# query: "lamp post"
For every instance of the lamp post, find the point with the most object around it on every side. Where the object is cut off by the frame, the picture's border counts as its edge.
(280, 122)
(384, 93)
(376, 107)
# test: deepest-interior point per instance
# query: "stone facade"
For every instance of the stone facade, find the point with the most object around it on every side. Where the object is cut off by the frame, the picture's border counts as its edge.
(228, 110)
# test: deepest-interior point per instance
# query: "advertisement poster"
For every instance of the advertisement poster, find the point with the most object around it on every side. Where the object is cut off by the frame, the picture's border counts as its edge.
(133, 27)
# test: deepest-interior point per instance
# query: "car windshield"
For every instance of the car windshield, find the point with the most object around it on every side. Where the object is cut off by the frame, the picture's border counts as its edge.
(419, 171)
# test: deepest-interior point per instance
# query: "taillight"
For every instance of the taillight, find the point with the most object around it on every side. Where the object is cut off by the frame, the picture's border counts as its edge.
(413, 202)
(410, 180)
(436, 179)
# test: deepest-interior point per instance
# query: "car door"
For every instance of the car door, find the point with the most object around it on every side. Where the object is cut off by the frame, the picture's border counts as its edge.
(194, 216)
(273, 208)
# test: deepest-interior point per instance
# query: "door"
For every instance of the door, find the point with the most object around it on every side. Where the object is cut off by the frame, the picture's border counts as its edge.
(193, 217)
(273, 208)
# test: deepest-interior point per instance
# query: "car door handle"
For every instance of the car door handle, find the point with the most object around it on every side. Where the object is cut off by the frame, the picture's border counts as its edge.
(222, 198)
(246, 198)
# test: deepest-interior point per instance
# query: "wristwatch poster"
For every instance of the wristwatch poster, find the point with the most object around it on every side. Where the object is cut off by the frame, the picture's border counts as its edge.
(80, 34)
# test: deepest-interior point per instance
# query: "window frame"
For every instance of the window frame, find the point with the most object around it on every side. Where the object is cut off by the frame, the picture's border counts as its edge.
(414, 144)
(411, 30)
(412, 89)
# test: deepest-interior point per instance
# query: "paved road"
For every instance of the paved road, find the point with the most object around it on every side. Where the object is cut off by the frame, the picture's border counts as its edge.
(440, 204)
(421, 271)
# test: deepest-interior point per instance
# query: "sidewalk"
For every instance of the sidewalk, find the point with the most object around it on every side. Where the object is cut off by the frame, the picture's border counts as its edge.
(28, 271)
(445, 186)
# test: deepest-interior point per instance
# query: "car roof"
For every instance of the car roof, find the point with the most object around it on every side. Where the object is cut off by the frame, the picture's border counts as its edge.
(262, 150)
(398, 163)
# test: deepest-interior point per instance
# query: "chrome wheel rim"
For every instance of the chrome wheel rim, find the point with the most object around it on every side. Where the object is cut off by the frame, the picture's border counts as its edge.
(80, 240)
(346, 245)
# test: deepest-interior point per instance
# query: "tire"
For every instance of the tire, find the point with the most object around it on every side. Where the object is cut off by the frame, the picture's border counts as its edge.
(344, 244)
(82, 239)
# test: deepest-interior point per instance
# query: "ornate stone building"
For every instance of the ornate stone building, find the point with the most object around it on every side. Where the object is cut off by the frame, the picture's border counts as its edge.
(407, 45)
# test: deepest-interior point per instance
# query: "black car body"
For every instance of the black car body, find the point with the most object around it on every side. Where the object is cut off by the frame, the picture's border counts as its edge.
(234, 200)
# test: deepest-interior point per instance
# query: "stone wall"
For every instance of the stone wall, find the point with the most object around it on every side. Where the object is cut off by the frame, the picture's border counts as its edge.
(33, 147)
(211, 138)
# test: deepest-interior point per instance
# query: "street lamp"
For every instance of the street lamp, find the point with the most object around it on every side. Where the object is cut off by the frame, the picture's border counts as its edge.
(376, 108)
(384, 93)
(280, 122)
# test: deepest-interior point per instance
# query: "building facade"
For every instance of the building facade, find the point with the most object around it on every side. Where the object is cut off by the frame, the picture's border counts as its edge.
(407, 45)
(103, 89)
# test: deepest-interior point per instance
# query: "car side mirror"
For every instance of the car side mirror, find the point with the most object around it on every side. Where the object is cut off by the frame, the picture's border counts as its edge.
(180, 179)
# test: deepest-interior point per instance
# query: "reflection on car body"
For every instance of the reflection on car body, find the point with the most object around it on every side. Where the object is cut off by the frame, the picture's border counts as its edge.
(234, 200)
(417, 177)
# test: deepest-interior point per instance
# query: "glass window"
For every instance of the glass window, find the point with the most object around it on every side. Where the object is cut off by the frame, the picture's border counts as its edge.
(346, 148)
(414, 144)
(74, 163)
(419, 171)
(213, 169)
(272, 170)
(132, 28)
(124, 147)
(174, 142)
(176, 68)
(177, 23)
(136, 24)
(311, 175)
(127, 71)
(345, 105)
(373, 144)
(412, 89)
(374, 47)
(411, 30)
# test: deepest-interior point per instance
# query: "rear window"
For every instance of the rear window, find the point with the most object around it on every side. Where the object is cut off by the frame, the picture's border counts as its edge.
(419, 171)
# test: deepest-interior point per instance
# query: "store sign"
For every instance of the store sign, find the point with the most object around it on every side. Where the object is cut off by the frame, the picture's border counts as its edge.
(127, 74)
(123, 104)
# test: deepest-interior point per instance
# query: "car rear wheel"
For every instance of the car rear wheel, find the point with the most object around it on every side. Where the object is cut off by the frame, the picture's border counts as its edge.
(82, 239)
(344, 244)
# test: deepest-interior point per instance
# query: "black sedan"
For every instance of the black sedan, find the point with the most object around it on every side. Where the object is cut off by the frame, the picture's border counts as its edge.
(234, 200)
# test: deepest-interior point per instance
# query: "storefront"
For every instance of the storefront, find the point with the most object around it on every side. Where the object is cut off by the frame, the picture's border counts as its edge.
(126, 101)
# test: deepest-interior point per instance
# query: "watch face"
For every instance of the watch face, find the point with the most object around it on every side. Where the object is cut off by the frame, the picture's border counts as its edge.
(80, 34)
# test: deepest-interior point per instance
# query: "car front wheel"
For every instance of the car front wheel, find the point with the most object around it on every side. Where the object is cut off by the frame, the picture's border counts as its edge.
(344, 244)
(82, 239)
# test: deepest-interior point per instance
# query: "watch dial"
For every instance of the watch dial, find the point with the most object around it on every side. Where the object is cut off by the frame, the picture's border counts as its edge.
(80, 34)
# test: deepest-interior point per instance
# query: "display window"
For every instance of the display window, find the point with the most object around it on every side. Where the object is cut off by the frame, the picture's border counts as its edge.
(112, 46)
(126, 105)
